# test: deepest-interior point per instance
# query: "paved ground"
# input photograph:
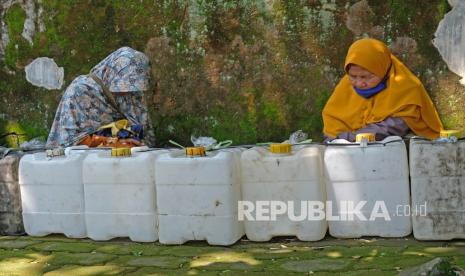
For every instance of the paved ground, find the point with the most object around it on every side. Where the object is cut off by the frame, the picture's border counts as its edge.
(57, 255)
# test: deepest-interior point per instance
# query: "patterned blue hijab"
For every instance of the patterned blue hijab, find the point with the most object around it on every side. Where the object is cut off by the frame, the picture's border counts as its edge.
(84, 107)
(125, 70)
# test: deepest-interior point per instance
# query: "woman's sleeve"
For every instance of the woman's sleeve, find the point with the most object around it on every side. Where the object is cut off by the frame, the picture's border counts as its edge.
(391, 126)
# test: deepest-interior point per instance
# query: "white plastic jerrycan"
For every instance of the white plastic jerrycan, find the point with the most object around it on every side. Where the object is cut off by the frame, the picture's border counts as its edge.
(290, 185)
(120, 196)
(437, 171)
(367, 188)
(52, 192)
(197, 196)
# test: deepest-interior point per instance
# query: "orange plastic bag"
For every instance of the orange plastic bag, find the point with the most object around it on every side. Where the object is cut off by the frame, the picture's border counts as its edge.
(102, 141)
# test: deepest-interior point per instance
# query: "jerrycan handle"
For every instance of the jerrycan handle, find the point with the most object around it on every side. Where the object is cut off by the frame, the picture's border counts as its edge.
(364, 138)
(222, 144)
(364, 142)
(304, 142)
(176, 144)
(139, 149)
(79, 147)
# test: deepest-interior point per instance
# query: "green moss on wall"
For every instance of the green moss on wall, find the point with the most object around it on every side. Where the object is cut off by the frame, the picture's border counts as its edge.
(18, 47)
(13, 133)
(401, 13)
(15, 18)
(411, 19)
(442, 8)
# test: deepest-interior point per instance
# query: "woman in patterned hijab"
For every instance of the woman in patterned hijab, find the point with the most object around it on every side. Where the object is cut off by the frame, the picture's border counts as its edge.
(85, 106)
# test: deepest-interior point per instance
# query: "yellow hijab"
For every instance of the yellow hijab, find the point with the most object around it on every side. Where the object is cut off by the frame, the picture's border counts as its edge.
(404, 95)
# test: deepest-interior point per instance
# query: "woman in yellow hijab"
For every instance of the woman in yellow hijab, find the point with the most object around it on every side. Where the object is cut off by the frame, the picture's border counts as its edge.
(378, 94)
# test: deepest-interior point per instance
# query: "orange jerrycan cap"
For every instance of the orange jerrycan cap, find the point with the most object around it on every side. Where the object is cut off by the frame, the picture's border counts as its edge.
(120, 152)
(195, 151)
(280, 148)
(370, 137)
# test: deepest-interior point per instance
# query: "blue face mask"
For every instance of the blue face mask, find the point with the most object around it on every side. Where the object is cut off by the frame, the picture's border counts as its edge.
(367, 93)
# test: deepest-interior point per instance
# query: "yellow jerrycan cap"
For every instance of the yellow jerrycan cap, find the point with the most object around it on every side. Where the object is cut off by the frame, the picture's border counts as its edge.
(280, 148)
(449, 133)
(120, 152)
(195, 151)
(370, 137)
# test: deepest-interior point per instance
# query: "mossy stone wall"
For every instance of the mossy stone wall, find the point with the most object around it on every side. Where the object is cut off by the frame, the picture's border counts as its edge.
(250, 71)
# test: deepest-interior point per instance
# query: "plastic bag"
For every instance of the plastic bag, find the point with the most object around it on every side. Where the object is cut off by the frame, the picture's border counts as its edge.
(34, 144)
(207, 142)
(451, 139)
(297, 137)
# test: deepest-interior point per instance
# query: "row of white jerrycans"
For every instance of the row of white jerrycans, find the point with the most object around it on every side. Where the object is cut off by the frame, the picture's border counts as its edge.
(355, 189)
